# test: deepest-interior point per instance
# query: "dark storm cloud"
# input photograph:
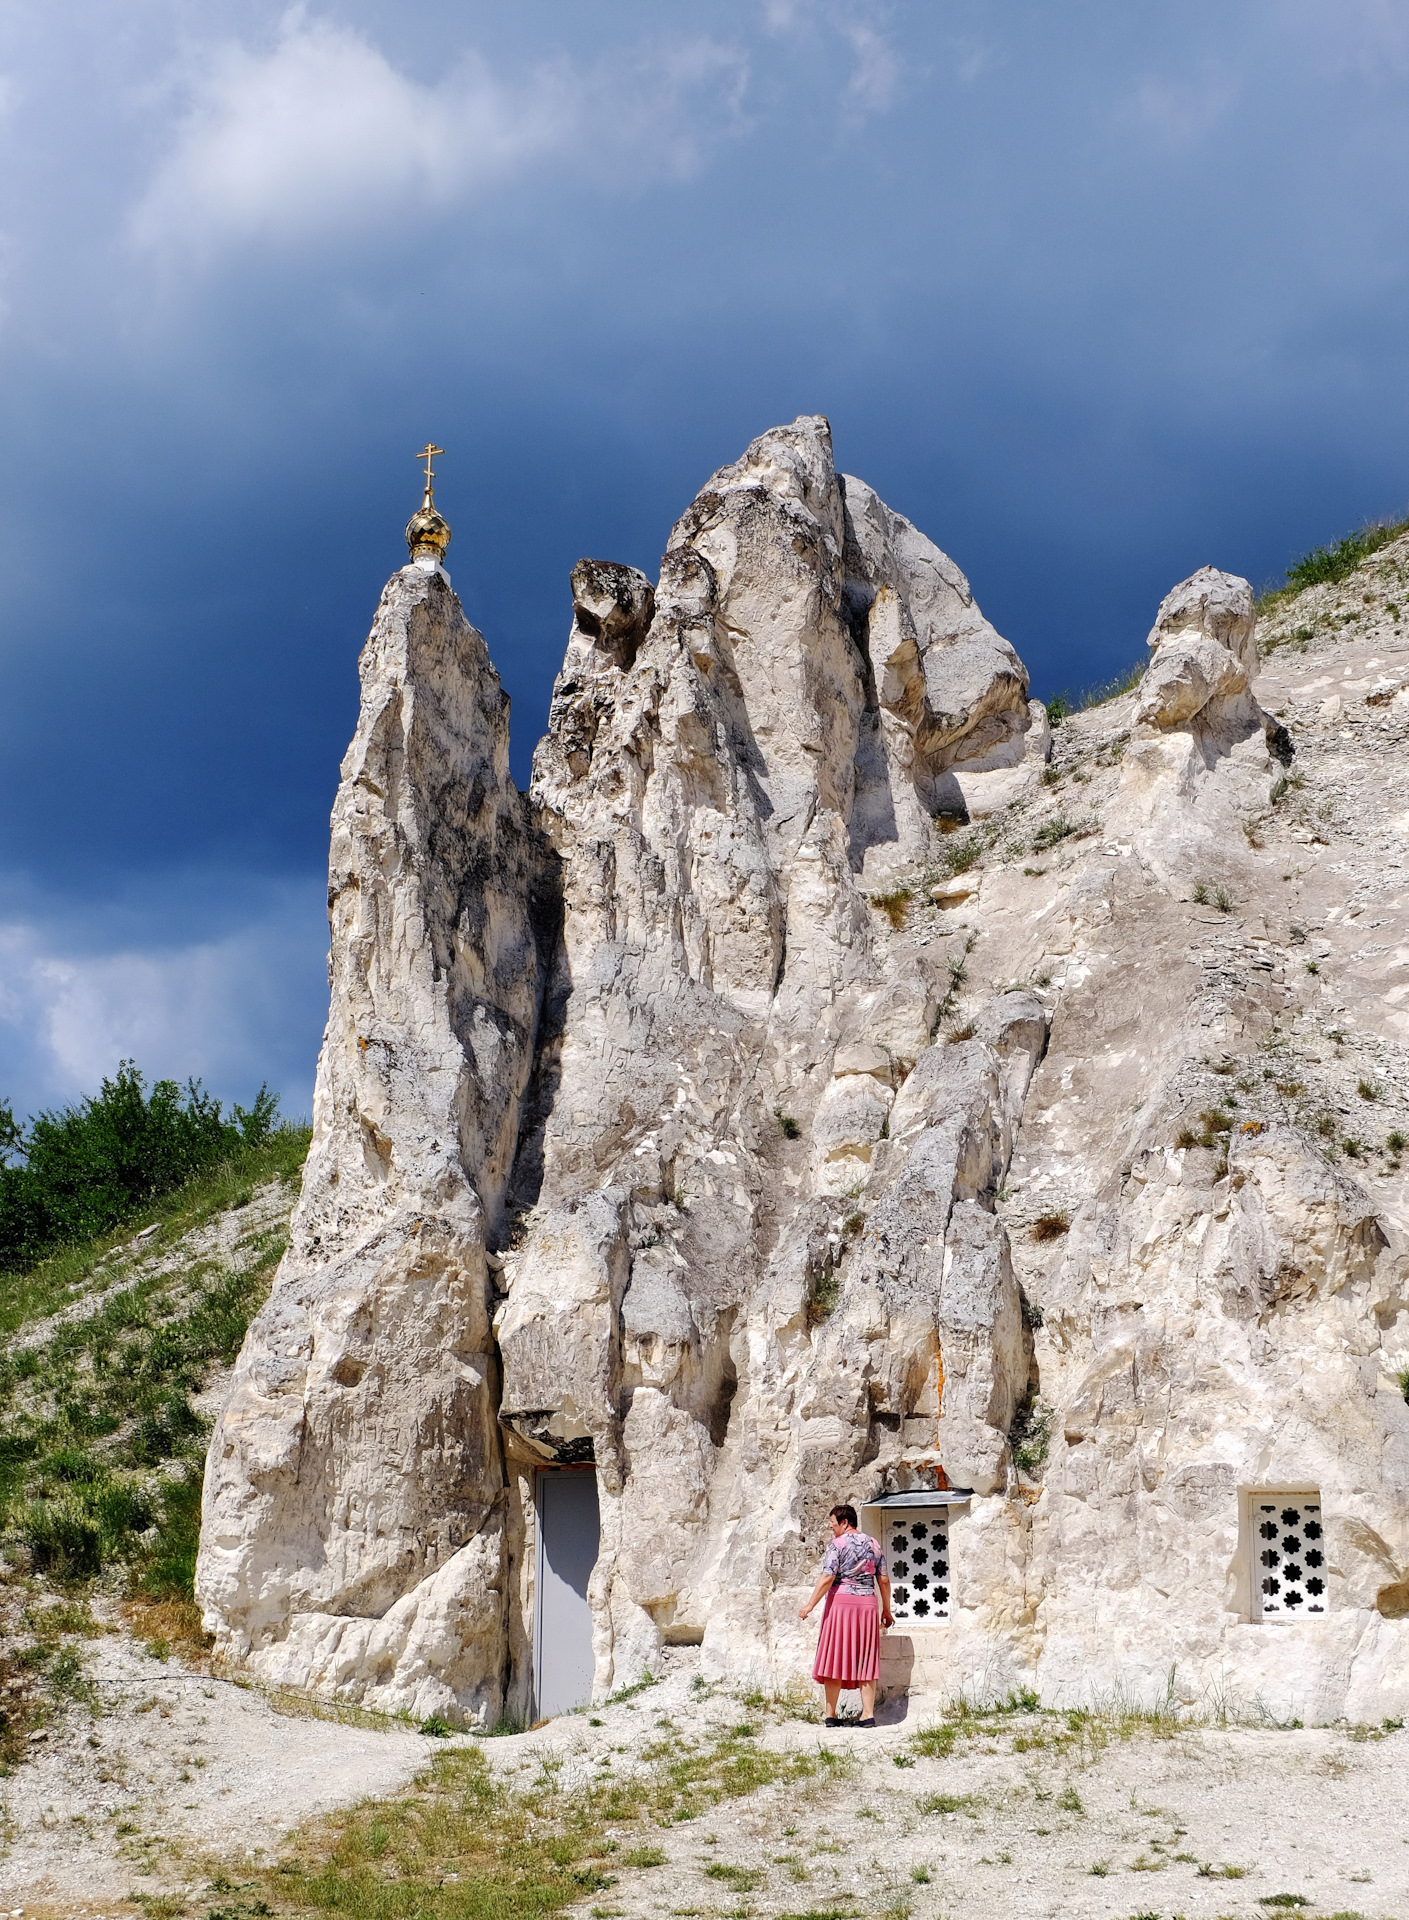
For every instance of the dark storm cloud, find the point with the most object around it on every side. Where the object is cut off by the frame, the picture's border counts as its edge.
(1094, 293)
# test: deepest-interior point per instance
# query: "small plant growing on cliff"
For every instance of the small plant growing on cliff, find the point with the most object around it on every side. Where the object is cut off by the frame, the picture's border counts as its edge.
(1403, 1378)
(1030, 1436)
(1053, 833)
(789, 1127)
(1368, 1090)
(823, 1292)
(894, 905)
(1395, 1141)
(1201, 895)
(1223, 900)
(1050, 1226)
(964, 853)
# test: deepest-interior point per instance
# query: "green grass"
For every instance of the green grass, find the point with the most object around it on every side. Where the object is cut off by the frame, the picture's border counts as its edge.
(90, 1414)
(1061, 705)
(462, 1846)
(741, 1879)
(1053, 832)
(1326, 565)
(949, 1803)
(964, 851)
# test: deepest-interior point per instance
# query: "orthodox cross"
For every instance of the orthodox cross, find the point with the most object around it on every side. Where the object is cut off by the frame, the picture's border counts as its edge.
(428, 453)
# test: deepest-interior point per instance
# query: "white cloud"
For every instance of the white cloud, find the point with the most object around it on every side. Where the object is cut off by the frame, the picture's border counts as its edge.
(1181, 110)
(320, 132)
(233, 1010)
(875, 66)
(873, 78)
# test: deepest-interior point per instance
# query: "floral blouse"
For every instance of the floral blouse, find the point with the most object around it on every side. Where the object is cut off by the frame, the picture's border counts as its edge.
(854, 1560)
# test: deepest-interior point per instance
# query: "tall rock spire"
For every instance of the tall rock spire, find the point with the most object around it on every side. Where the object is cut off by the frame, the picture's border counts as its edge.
(353, 1532)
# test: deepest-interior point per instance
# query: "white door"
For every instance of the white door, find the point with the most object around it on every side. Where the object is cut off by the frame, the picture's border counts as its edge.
(567, 1553)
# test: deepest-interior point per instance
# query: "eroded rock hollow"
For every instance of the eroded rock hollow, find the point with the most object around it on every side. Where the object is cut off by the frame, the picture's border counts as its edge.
(781, 1103)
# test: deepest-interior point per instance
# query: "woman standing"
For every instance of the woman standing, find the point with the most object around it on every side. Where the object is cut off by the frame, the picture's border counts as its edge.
(849, 1645)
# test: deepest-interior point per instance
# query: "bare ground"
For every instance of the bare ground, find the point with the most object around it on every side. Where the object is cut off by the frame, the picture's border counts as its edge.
(180, 1776)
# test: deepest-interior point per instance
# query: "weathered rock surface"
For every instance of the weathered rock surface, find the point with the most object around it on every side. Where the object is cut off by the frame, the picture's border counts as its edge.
(806, 1146)
(353, 1535)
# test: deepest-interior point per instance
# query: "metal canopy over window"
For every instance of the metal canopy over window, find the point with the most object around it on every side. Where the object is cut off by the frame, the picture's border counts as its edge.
(926, 1497)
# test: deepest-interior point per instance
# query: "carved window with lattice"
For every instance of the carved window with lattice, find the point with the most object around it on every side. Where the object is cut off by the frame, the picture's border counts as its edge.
(916, 1541)
(1288, 1556)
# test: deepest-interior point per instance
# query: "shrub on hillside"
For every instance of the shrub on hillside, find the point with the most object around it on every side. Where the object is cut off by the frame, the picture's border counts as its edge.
(88, 1168)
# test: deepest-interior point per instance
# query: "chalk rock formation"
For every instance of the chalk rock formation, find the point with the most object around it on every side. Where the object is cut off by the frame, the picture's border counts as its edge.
(782, 739)
(805, 1143)
(1204, 649)
(353, 1536)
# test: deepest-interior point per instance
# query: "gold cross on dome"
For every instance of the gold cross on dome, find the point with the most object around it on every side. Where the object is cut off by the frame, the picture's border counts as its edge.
(428, 453)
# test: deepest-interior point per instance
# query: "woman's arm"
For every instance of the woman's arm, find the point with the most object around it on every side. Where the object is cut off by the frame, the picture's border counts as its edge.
(815, 1596)
(887, 1618)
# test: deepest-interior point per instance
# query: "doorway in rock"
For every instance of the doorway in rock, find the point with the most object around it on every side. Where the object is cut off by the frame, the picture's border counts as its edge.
(567, 1552)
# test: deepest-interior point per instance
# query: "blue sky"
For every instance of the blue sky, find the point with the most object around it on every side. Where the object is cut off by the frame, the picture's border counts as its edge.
(1095, 293)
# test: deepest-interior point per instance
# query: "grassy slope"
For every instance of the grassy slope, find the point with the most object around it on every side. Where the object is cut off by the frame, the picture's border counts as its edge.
(99, 1442)
(101, 1449)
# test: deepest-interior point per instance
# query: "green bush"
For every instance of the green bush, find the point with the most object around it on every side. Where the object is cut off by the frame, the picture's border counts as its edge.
(86, 1169)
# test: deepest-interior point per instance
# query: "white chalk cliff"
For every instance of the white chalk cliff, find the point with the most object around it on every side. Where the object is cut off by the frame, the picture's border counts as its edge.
(827, 1082)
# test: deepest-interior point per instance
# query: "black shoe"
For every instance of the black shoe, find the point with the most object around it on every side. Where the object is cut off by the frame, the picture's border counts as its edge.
(867, 1723)
(831, 1721)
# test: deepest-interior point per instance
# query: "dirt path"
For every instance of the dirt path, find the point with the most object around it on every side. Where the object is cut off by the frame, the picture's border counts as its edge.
(174, 1767)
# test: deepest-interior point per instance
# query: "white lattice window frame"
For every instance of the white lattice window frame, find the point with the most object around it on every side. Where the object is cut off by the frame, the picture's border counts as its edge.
(1289, 1576)
(916, 1543)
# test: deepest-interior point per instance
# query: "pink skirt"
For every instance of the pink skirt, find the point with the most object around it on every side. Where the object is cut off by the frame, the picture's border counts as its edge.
(849, 1645)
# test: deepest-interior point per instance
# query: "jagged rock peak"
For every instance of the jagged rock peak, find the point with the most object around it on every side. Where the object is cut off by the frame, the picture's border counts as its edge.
(713, 1123)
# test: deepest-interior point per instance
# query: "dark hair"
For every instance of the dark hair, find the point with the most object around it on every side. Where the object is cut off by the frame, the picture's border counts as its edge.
(847, 1515)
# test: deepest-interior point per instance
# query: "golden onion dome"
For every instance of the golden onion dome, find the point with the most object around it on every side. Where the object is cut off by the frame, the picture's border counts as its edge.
(428, 532)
